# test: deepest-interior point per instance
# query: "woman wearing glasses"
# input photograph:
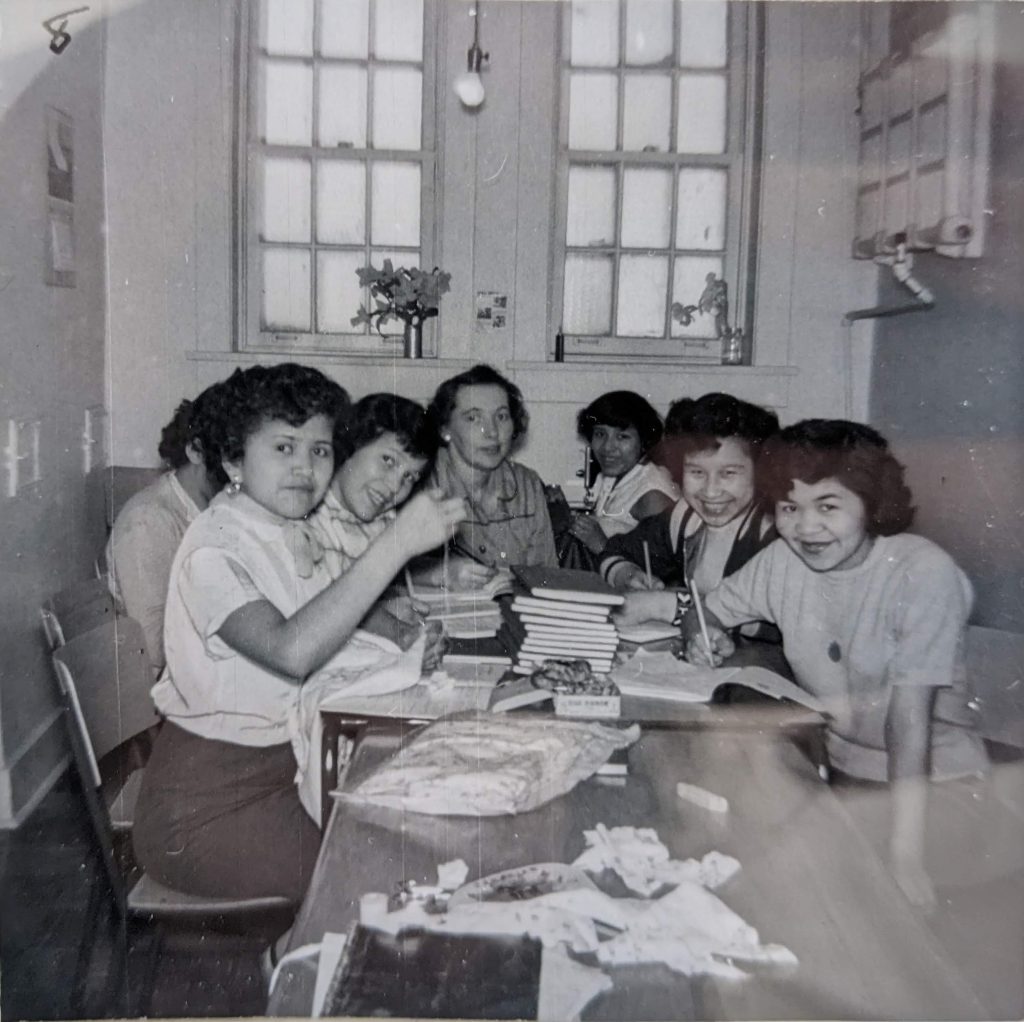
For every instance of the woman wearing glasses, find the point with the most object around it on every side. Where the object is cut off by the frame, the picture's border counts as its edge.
(481, 418)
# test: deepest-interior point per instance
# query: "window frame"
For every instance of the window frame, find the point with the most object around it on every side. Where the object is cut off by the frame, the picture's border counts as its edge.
(247, 179)
(741, 160)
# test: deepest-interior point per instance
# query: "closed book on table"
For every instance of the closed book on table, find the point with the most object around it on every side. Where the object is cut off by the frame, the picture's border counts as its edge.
(515, 692)
(568, 584)
(420, 974)
(560, 609)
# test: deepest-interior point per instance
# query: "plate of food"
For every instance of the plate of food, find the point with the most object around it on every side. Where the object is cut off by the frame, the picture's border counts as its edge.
(523, 883)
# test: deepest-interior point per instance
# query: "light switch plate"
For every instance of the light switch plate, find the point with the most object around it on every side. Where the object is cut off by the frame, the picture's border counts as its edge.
(94, 445)
(21, 455)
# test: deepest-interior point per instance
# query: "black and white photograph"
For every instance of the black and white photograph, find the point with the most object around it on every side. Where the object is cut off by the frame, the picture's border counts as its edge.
(512, 509)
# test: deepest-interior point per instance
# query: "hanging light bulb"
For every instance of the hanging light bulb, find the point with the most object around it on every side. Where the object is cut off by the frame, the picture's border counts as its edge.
(469, 86)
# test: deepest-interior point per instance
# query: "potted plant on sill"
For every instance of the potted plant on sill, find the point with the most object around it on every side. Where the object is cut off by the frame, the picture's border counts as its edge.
(406, 293)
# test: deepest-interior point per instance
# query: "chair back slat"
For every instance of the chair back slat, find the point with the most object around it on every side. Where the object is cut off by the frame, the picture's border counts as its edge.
(112, 677)
(77, 609)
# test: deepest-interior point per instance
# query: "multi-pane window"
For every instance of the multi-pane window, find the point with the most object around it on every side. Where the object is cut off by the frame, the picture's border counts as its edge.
(338, 166)
(652, 173)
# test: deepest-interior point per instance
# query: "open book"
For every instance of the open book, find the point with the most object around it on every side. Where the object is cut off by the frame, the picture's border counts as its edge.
(661, 676)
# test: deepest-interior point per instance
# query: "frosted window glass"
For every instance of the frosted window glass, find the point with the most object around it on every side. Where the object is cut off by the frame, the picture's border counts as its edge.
(590, 216)
(338, 294)
(872, 98)
(931, 74)
(646, 212)
(867, 213)
(870, 155)
(931, 135)
(344, 28)
(285, 289)
(648, 31)
(700, 126)
(703, 33)
(900, 98)
(341, 202)
(398, 29)
(395, 204)
(288, 113)
(342, 107)
(286, 200)
(647, 105)
(897, 212)
(899, 148)
(928, 196)
(643, 281)
(587, 300)
(394, 327)
(595, 34)
(593, 111)
(688, 282)
(288, 27)
(877, 33)
(700, 208)
(397, 108)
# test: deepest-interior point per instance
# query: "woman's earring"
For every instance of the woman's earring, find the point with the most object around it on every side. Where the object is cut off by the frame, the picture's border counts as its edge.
(235, 486)
(446, 437)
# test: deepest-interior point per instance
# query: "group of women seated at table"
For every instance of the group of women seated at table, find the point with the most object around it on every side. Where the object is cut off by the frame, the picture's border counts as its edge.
(325, 503)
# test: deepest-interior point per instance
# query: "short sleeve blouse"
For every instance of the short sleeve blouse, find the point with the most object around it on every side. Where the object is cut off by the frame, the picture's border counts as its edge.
(234, 553)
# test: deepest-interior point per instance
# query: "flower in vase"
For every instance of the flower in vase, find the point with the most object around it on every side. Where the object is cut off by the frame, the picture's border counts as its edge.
(406, 293)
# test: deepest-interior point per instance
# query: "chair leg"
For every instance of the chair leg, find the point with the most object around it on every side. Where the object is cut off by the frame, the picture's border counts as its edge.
(86, 947)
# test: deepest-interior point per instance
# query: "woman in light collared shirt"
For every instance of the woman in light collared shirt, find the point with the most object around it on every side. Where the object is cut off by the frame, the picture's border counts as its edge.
(481, 419)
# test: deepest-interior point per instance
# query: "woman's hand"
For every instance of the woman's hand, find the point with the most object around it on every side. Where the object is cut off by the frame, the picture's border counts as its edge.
(914, 882)
(428, 521)
(406, 609)
(632, 578)
(433, 653)
(645, 606)
(722, 647)
(589, 532)
(467, 575)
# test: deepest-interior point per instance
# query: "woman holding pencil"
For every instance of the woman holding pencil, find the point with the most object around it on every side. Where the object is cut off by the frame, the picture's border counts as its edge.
(721, 521)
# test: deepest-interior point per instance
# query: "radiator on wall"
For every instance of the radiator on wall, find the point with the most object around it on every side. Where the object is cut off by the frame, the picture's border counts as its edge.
(925, 93)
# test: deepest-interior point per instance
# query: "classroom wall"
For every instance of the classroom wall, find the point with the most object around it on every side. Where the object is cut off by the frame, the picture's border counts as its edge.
(947, 384)
(51, 368)
(168, 146)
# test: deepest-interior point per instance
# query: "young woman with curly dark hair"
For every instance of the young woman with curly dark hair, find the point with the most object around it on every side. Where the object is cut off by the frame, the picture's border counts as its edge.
(150, 526)
(252, 611)
(713, 442)
(872, 620)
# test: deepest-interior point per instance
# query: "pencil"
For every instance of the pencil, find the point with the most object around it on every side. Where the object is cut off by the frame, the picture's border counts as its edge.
(444, 579)
(409, 585)
(647, 564)
(695, 593)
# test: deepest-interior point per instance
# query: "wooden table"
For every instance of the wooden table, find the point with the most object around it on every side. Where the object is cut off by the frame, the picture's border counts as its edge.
(809, 880)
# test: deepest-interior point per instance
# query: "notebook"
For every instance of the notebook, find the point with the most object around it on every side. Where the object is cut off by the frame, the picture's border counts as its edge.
(424, 974)
(568, 584)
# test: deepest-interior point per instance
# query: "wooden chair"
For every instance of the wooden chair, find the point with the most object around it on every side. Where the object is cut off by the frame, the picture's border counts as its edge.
(104, 681)
(76, 610)
(120, 483)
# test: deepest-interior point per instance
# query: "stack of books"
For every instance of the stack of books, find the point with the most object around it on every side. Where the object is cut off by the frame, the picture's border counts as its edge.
(560, 614)
(465, 614)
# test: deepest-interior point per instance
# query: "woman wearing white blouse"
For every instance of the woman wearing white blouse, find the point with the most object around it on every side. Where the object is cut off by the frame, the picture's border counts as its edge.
(621, 428)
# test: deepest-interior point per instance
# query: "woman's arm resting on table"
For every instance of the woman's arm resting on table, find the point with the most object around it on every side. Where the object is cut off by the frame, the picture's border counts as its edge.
(298, 645)
(908, 727)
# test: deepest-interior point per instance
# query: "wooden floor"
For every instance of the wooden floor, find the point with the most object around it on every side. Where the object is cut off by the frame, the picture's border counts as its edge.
(47, 872)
